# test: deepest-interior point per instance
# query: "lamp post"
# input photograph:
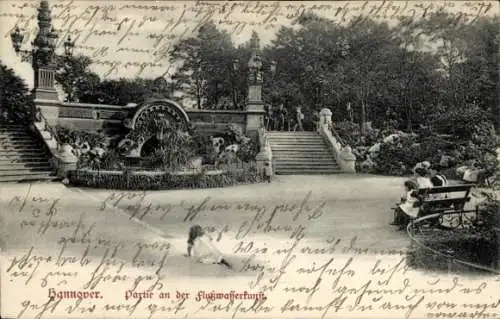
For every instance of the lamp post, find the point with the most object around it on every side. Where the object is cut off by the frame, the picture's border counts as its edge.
(69, 46)
(42, 53)
(236, 66)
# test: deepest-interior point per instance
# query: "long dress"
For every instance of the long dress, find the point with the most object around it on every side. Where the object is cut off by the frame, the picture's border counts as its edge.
(205, 251)
(407, 206)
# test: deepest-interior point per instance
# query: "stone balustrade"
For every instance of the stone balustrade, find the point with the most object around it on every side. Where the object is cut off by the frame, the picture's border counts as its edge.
(343, 153)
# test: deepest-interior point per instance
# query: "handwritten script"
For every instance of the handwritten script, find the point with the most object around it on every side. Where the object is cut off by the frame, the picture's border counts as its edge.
(71, 253)
(134, 38)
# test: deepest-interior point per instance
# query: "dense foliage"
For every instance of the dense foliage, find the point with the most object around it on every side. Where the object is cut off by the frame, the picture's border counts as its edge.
(15, 101)
(147, 181)
(386, 73)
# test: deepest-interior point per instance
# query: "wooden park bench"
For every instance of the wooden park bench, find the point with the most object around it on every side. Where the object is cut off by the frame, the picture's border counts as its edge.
(449, 200)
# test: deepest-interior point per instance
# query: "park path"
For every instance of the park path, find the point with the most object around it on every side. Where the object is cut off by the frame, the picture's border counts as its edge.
(149, 234)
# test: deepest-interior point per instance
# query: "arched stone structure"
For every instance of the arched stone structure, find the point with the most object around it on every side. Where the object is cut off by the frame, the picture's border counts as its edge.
(159, 108)
(150, 120)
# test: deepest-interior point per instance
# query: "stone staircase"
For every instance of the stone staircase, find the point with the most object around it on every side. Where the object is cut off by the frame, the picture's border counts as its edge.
(23, 155)
(301, 153)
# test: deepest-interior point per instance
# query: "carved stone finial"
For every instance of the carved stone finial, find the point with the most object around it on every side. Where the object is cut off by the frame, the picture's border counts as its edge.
(46, 37)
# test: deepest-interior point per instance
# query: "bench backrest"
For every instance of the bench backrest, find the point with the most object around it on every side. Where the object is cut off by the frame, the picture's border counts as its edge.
(434, 205)
(446, 189)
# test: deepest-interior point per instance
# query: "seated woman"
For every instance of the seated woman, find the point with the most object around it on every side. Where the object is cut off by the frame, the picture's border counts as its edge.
(406, 210)
(422, 177)
(439, 181)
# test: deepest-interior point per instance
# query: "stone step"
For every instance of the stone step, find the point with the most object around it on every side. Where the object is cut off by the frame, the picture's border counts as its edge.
(20, 148)
(27, 171)
(304, 162)
(300, 150)
(298, 144)
(304, 156)
(6, 154)
(19, 160)
(11, 125)
(306, 167)
(34, 176)
(24, 165)
(15, 139)
(283, 135)
(295, 172)
(280, 133)
(304, 148)
(13, 130)
(318, 144)
(301, 139)
(307, 163)
(19, 143)
(23, 155)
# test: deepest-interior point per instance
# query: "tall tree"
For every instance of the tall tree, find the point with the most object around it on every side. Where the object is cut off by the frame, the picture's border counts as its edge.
(14, 95)
(75, 77)
(205, 65)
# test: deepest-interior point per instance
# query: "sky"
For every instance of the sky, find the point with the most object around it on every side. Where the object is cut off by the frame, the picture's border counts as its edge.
(133, 38)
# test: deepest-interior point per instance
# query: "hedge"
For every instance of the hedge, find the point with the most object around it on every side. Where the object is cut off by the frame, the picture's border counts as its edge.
(123, 180)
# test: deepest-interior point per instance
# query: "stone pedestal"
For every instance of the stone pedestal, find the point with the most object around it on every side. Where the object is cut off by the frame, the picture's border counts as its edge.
(254, 118)
(254, 122)
(49, 110)
(347, 160)
(262, 158)
(66, 161)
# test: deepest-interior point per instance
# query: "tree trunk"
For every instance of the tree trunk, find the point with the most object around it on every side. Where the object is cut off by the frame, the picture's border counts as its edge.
(496, 118)
(363, 117)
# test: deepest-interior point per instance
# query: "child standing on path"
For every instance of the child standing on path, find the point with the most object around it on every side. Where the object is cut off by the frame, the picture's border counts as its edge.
(268, 171)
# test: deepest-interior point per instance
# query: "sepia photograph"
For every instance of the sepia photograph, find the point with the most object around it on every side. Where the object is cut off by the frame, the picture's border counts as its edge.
(249, 159)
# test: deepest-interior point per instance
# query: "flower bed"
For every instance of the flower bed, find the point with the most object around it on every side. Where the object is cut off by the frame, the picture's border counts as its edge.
(149, 180)
(479, 249)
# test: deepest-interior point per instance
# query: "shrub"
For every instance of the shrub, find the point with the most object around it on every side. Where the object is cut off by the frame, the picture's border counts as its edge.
(202, 145)
(247, 151)
(175, 150)
(397, 158)
(129, 180)
(66, 135)
(461, 122)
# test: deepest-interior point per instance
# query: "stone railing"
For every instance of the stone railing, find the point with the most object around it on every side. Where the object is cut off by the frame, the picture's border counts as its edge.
(343, 152)
(47, 133)
(63, 157)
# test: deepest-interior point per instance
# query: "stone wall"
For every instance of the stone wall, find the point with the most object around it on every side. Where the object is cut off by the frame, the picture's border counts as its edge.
(100, 117)
(214, 122)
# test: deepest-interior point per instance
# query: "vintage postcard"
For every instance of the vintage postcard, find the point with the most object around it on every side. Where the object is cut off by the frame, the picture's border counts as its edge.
(249, 159)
